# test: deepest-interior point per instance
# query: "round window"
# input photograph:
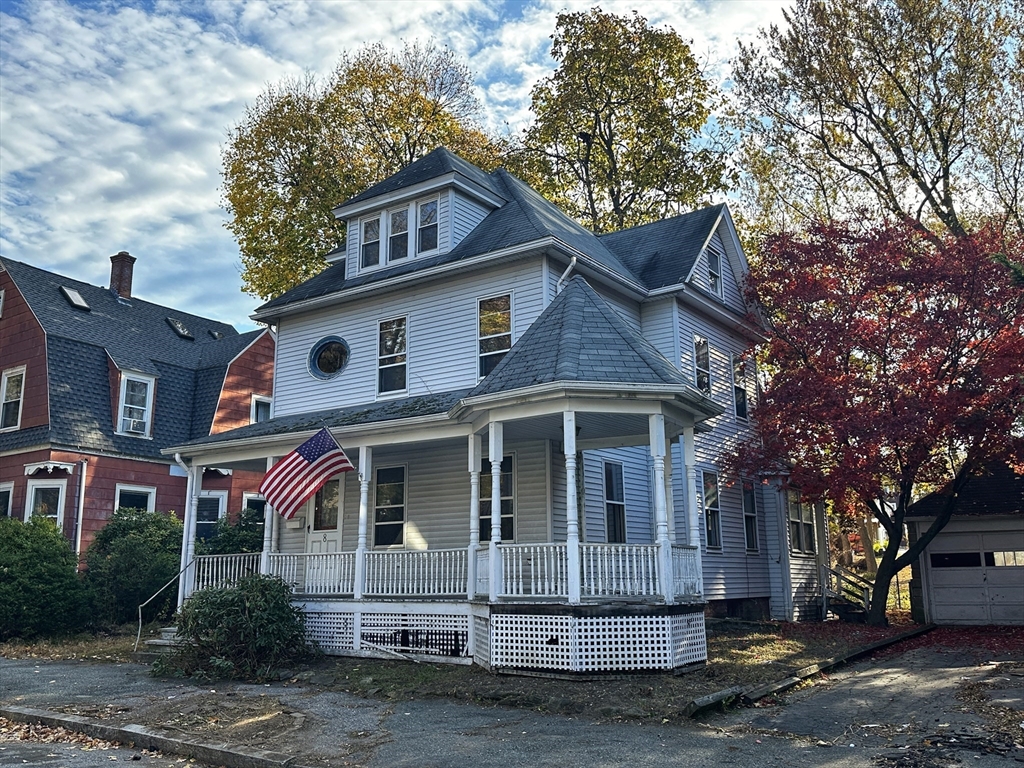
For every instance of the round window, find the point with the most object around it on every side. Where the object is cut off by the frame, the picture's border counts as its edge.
(328, 357)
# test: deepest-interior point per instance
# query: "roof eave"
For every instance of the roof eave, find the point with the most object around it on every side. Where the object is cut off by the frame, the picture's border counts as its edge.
(450, 179)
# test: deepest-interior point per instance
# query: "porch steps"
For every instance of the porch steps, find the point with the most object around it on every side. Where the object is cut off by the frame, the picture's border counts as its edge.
(158, 646)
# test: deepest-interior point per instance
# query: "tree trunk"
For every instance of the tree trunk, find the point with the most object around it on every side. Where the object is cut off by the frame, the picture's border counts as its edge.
(867, 539)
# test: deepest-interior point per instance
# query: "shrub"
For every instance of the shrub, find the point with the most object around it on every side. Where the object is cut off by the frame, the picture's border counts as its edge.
(245, 631)
(40, 592)
(132, 556)
(244, 535)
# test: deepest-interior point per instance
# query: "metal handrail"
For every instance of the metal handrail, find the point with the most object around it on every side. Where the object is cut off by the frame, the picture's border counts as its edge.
(138, 635)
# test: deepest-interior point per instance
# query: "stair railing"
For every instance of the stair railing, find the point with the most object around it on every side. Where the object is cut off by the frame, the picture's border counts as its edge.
(841, 583)
(138, 635)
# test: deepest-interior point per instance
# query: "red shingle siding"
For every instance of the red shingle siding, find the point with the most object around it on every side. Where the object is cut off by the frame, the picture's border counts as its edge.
(22, 342)
(252, 372)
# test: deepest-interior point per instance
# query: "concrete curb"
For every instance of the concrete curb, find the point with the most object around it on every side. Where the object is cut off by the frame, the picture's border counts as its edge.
(227, 755)
(750, 695)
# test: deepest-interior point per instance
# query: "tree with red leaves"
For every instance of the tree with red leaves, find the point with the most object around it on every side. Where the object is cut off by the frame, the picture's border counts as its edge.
(896, 362)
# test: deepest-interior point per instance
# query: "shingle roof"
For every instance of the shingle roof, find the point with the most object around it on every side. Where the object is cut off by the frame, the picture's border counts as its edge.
(664, 252)
(406, 408)
(1000, 491)
(439, 162)
(136, 336)
(579, 338)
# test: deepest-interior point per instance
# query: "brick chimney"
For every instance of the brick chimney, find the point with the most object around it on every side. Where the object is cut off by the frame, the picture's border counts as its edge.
(121, 274)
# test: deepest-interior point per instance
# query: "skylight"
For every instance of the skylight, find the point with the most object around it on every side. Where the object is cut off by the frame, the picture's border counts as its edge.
(75, 298)
(179, 328)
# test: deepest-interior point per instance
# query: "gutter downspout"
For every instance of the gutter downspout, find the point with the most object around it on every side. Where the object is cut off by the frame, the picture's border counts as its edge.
(184, 535)
(561, 280)
(83, 464)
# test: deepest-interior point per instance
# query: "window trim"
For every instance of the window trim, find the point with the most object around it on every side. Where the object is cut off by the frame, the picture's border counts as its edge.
(384, 234)
(150, 382)
(147, 489)
(605, 463)
(804, 519)
(8, 487)
(405, 508)
(393, 393)
(363, 242)
(749, 514)
(254, 399)
(1, 302)
(485, 495)
(716, 510)
(4, 377)
(35, 483)
(511, 327)
(247, 496)
(697, 370)
(222, 506)
(715, 277)
(419, 226)
(739, 363)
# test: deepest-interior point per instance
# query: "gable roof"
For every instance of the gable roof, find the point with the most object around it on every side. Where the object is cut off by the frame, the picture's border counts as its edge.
(663, 253)
(136, 336)
(999, 491)
(579, 338)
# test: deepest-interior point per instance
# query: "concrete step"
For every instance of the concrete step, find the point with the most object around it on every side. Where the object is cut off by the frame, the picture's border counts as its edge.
(168, 633)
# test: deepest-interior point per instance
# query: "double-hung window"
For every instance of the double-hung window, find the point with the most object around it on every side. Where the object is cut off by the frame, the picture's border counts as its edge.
(715, 270)
(45, 498)
(398, 241)
(507, 500)
(135, 497)
(750, 516)
(369, 248)
(739, 386)
(6, 499)
(12, 390)
(211, 506)
(259, 409)
(614, 503)
(391, 361)
(389, 507)
(702, 364)
(712, 510)
(495, 328)
(801, 523)
(136, 405)
(426, 239)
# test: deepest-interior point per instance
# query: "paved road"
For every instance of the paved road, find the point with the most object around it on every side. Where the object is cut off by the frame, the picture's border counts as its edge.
(916, 689)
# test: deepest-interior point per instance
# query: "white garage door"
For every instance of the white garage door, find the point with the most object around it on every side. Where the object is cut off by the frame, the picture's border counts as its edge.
(976, 577)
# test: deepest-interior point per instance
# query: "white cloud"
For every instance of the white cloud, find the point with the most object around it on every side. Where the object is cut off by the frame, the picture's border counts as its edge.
(112, 116)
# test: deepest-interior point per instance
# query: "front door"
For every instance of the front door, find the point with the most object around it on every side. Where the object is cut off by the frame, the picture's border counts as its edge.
(323, 518)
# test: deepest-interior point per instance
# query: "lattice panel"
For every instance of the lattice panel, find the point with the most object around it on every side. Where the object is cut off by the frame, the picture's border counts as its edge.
(532, 642)
(442, 635)
(689, 639)
(482, 638)
(623, 643)
(330, 631)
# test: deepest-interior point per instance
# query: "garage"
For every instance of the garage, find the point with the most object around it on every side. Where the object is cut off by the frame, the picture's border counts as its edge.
(973, 571)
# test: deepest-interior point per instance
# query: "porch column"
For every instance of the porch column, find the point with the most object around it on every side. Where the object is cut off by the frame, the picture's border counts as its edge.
(268, 530)
(656, 423)
(495, 449)
(190, 535)
(474, 515)
(692, 518)
(365, 473)
(572, 523)
(182, 585)
(670, 500)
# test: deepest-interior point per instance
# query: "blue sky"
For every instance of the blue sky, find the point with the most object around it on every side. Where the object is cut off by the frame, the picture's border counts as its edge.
(112, 115)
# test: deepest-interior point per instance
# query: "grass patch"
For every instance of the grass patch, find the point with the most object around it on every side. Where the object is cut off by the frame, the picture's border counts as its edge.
(111, 645)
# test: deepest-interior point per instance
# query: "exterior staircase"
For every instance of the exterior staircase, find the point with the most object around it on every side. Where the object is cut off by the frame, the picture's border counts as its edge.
(845, 594)
(157, 646)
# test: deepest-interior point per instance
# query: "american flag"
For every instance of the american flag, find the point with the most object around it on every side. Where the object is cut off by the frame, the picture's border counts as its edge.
(303, 472)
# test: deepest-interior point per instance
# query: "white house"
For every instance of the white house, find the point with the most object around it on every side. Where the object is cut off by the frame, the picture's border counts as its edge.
(537, 416)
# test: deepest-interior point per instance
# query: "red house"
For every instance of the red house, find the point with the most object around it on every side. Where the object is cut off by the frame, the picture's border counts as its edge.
(94, 383)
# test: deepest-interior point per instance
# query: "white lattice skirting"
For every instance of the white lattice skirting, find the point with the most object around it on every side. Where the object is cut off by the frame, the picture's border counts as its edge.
(555, 639)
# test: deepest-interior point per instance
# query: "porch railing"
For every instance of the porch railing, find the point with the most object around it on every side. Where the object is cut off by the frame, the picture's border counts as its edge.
(224, 570)
(417, 573)
(619, 570)
(686, 575)
(534, 570)
(316, 573)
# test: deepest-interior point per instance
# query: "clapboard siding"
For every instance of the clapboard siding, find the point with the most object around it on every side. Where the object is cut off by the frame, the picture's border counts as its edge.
(628, 309)
(558, 493)
(636, 479)
(659, 326)
(466, 214)
(441, 329)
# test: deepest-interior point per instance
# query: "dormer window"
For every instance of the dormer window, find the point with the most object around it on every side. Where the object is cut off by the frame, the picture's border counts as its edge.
(136, 405)
(427, 240)
(398, 243)
(715, 271)
(370, 246)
